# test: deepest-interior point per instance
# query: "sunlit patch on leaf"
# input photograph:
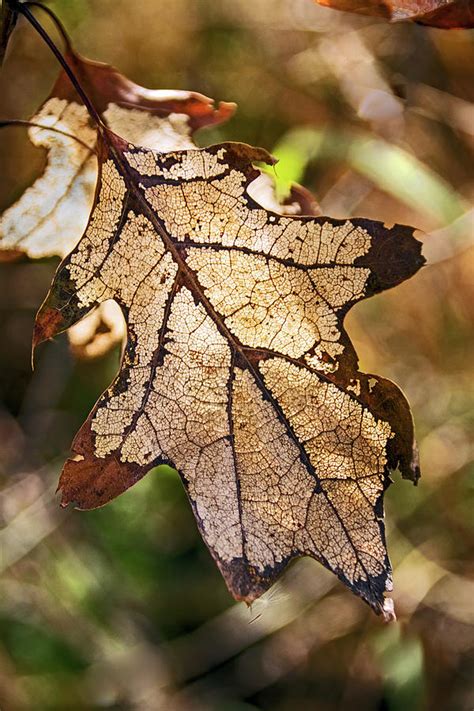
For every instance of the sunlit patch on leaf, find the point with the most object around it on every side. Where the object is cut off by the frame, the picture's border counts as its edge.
(97, 333)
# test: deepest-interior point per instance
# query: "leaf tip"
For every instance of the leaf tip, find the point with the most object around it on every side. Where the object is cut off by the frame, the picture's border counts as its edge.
(409, 465)
(63, 502)
(242, 580)
(88, 481)
(388, 610)
(46, 326)
(225, 110)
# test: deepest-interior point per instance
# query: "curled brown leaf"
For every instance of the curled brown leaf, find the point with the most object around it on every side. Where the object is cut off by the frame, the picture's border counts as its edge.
(444, 14)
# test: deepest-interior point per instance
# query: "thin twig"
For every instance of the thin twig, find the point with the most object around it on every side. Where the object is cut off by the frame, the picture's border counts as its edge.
(6, 123)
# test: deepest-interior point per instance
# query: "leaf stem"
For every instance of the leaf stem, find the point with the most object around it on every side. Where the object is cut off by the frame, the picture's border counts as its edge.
(23, 10)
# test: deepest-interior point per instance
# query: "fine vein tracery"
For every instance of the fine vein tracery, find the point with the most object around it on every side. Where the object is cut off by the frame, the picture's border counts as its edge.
(236, 365)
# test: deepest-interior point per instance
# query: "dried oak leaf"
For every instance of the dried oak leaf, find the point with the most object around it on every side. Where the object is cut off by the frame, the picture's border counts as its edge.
(444, 14)
(237, 369)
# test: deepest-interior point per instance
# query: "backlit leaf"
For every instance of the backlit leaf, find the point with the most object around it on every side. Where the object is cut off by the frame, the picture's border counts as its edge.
(237, 368)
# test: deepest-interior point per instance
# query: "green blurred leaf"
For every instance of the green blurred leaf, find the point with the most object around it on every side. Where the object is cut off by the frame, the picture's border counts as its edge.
(389, 167)
(36, 650)
(402, 663)
(405, 177)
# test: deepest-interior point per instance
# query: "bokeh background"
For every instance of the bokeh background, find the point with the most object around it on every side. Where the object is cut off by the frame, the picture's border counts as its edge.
(123, 608)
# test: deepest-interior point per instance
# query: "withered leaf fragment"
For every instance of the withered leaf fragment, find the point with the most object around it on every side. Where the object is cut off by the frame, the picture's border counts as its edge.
(51, 216)
(444, 14)
(237, 368)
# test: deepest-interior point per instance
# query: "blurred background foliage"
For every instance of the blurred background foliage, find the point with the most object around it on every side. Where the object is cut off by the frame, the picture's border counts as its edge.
(122, 608)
